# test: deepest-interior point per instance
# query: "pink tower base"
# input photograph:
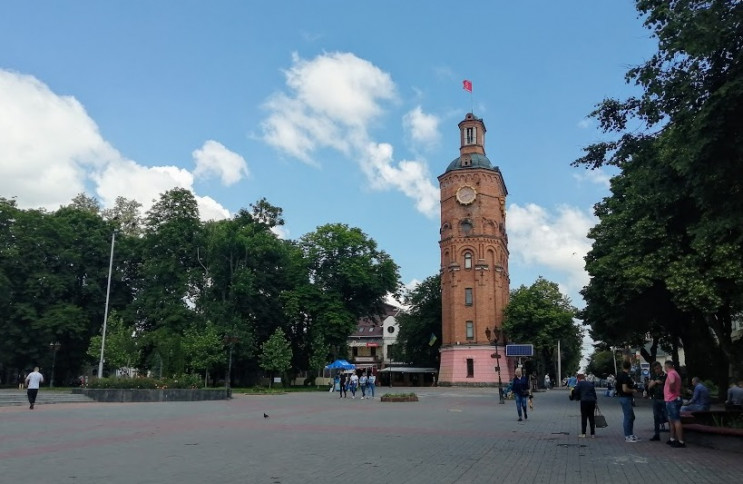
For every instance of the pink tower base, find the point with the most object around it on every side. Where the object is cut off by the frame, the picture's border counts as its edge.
(453, 370)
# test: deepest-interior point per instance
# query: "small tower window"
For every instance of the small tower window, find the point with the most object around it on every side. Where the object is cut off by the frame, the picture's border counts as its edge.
(468, 260)
(470, 330)
(470, 135)
(468, 296)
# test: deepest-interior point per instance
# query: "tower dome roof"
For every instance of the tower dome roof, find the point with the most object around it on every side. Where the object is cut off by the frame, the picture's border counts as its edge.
(475, 160)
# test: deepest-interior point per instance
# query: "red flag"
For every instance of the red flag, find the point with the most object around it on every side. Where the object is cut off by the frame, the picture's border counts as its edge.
(467, 85)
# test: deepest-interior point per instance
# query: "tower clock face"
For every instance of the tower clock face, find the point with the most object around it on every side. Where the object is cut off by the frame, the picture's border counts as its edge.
(466, 195)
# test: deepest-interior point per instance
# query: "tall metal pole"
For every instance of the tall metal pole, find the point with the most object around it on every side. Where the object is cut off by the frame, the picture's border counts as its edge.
(559, 364)
(54, 347)
(614, 357)
(105, 311)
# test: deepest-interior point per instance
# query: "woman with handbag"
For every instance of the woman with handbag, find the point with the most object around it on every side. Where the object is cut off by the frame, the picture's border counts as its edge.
(520, 388)
(585, 393)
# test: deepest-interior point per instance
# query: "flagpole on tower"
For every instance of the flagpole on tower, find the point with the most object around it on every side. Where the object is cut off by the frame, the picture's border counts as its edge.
(467, 86)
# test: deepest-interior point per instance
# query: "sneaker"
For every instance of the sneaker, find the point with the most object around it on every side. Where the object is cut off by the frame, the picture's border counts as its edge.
(593, 436)
(670, 442)
(655, 438)
(677, 444)
(637, 439)
(581, 436)
(630, 439)
(362, 398)
(520, 419)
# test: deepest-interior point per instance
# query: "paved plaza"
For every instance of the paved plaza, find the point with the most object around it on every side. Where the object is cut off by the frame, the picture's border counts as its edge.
(452, 435)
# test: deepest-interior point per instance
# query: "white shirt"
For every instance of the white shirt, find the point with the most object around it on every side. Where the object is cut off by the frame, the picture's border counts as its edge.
(33, 379)
(354, 378)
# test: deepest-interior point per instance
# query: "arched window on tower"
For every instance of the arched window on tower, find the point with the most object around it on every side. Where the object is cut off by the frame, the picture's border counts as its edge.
(468, 260)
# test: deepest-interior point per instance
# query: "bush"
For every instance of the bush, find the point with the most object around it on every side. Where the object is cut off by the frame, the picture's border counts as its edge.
(182, 381)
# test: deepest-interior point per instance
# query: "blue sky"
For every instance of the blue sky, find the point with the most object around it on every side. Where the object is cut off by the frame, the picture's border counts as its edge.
(335, 111)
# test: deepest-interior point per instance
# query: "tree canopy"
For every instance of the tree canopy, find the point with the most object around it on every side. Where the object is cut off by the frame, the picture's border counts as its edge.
(419, 322)
(668, 254)
(185, 294)
(542, 316)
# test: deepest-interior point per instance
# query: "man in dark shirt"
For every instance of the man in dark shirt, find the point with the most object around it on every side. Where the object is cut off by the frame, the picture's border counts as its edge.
(625, 391)
(655, 391)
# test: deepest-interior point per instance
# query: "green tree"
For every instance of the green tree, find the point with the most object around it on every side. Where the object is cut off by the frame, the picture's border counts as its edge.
(688, 116)
(418, 322)
(276, 356)
(601, 363)
(344, 262)
(168, 276)
(542, 316)
(121, 349)
(204, 348)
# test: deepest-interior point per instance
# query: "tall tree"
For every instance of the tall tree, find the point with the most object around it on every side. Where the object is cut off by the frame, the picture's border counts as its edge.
(542, 316)
(689, 117)
(419, 322)
(169, 275)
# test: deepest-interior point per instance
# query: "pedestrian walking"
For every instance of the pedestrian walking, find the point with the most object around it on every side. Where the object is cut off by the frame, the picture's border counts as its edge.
(655, 392)
(353, 384)
(585, 392)
(372, 383)
(547, 382)
(362, 384)
(626, 393)
(520, 389)
(672, 396)
(343, 386)
(33, 380)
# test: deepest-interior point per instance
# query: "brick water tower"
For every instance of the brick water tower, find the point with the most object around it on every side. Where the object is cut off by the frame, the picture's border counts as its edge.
(474, 264)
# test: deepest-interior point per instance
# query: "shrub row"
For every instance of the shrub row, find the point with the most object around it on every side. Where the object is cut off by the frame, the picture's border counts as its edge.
(182, 381)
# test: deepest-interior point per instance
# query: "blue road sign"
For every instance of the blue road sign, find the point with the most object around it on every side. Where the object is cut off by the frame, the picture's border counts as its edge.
(519, 350)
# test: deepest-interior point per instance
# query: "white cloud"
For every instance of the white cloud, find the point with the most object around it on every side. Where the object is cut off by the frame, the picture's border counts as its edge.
(423, 128)
(555, 240)
(410, 177)
(585, 123)
(214, 159)
(281, 231)
(597, 176)
(51, 150)
(331, 101)
(47, 143)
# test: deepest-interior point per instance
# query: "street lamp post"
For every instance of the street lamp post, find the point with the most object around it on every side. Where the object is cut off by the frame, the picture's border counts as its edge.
(105, 311)
(54, 347)
(494, 341)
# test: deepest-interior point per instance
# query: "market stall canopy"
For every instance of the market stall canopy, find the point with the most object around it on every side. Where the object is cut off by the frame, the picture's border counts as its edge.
(340, 365)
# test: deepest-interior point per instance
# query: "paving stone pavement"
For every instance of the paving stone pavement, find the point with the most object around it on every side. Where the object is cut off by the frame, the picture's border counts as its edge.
(452, 435)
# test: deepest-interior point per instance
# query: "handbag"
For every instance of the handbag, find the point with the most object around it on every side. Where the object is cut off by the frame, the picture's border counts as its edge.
(599, 418)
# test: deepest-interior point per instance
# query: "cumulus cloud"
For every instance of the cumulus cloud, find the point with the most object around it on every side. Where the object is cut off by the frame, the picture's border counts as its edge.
(214, 159)
(331, 101)
(51, 150)
(423, 128)
(555, 240)
(597, 176)
(47, 143)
